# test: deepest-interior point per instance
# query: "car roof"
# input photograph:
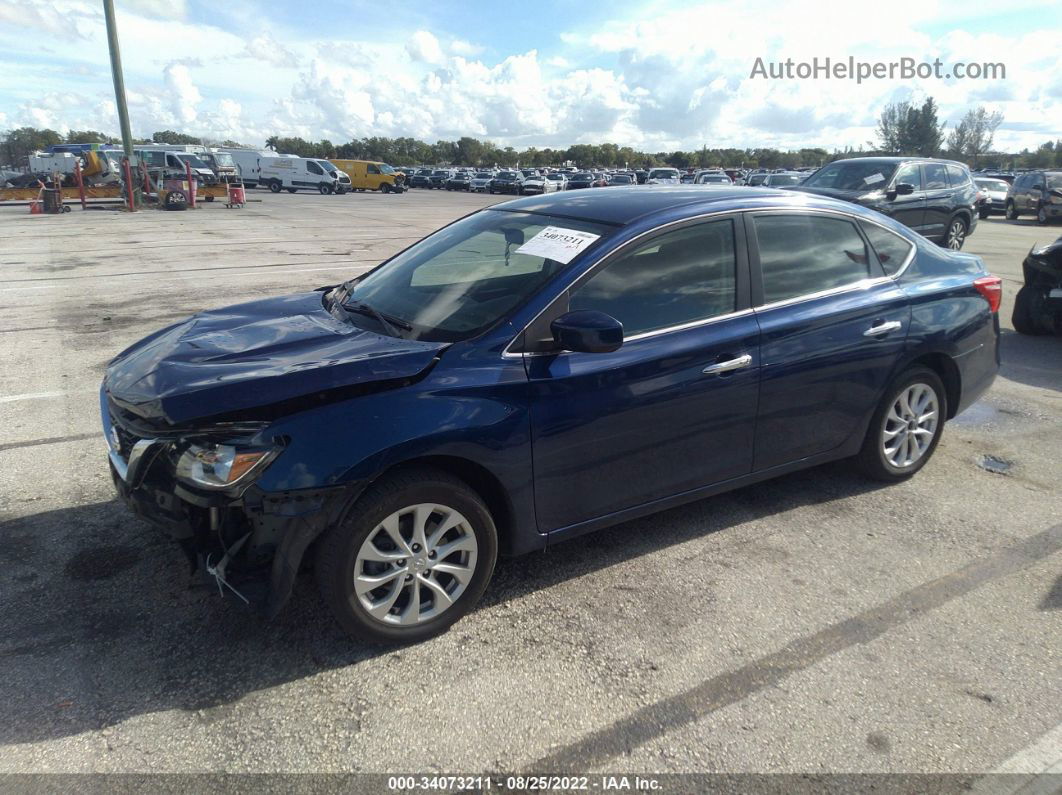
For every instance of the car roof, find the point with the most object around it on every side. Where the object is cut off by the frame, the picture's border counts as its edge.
(622, 205)
(897, 160)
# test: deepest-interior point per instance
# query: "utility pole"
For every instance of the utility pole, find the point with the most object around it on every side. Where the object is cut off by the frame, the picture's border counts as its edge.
(119, 82)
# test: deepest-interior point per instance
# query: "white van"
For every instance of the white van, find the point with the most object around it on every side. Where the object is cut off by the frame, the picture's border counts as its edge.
(292, 173)
(247, 163)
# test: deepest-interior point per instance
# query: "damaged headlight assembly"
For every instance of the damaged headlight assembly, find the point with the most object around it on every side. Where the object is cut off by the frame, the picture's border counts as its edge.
(221, 466)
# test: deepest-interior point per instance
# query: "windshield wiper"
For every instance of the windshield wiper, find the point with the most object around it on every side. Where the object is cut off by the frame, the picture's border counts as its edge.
(392, 324)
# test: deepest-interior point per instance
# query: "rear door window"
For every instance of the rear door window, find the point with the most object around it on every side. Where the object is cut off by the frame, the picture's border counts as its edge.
(936, 176)
(805, 254)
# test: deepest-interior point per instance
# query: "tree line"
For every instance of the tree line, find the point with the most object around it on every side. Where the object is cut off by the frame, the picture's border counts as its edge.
(904, 128)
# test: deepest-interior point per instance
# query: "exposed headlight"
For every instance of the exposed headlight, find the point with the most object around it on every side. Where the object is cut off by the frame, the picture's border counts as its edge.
(221, 466)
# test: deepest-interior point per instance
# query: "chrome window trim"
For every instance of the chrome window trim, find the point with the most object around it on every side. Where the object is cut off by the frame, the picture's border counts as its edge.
(862, 284)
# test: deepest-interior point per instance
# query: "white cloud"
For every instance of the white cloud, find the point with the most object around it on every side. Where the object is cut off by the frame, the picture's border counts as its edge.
(423, 46)
(183, 95)
(267, 48)
(465, 48)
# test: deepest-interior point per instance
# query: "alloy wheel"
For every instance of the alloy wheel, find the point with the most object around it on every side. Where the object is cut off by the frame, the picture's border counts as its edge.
(956, 235)
(415, 564)
(910, 425)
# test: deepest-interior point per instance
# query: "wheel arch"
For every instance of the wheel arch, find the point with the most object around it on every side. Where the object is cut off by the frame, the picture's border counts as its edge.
(478, 478)
(944, 366)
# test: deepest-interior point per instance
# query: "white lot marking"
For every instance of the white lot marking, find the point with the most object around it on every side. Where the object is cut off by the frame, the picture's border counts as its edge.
(1035, 769)
(43, 395)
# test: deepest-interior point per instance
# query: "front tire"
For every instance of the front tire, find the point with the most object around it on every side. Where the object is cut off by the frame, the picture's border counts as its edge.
(324, 189)
(1028, 308)
(906, 426)
(1011, 212)
(292, 190)
(413, 557)
(982, 214)
(1041, 215)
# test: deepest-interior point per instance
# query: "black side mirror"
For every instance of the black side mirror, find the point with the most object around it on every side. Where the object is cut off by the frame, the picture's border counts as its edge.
(587, 331)
(904, 189)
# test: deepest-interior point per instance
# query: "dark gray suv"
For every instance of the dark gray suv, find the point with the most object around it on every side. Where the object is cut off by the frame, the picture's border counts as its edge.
(935, 197)
(1038, 193)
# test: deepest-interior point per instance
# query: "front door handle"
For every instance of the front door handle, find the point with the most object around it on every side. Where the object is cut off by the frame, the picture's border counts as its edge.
(730, 364)
(883, 328)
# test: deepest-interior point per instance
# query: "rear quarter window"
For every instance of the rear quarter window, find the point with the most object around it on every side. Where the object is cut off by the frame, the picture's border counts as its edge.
(892, 250)
(957, 176)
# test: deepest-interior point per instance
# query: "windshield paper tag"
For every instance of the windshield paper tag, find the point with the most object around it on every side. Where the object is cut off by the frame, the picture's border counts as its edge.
(874, 179)
(557, 243)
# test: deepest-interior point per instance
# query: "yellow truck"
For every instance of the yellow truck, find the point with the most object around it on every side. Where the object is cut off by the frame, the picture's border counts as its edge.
(371, 175)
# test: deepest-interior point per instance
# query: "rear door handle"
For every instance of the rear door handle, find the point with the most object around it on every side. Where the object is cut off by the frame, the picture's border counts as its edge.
(730, 364)
(883, 328)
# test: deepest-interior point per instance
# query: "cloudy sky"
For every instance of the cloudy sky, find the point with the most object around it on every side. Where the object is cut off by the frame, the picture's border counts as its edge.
(652, 74)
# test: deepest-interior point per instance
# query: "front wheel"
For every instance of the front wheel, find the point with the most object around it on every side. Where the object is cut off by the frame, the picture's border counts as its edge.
(292, 190)
(1028, 311)
(982, 214)
(956, 235)
(1041, 215)
(414, 556)
(324, 188)
(385, 188)
(1012, 212)
(906, 426)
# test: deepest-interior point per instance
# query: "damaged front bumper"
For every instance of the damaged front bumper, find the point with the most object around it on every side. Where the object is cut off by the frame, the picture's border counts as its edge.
(248, 542)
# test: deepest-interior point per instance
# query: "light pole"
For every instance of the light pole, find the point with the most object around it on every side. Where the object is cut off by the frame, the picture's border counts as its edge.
(119, 91)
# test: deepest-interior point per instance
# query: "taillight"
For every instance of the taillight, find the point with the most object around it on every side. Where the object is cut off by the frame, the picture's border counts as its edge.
(991, 287)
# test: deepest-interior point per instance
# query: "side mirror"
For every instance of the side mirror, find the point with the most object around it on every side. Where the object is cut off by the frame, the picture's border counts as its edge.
(904, 189)
(587, 331)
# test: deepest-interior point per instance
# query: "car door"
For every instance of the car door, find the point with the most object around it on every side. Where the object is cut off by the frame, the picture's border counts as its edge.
(1034, 191)
(832, 329)
(671, 410)
(939, 202)
(908, 209)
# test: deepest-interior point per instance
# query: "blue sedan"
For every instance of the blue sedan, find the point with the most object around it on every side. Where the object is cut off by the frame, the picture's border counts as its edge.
(537, 370)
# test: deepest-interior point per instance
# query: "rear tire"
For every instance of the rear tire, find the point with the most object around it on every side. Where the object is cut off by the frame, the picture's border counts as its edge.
(275, 187)
(897, 422)
(1027, 309)
(348, 551)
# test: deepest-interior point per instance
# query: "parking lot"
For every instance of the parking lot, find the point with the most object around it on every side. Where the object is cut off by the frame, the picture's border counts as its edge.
(818, 623)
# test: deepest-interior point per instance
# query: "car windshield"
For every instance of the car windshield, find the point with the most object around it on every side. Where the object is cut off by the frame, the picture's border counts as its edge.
(621, 180)
(555, 176)
(441, 174)
(193, 161)
(482, 175)
(384, 168)
(467, 276)
(224, 159)
(327, 166)
(507, 175)
(852, 175)
(663, 173)
(582, 175)
(992, 184)
(784, 179)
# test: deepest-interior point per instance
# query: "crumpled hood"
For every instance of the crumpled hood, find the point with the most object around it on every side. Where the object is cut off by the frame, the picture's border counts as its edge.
(255, 354)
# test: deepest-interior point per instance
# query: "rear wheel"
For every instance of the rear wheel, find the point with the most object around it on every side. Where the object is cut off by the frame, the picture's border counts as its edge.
(906, 426)
(414, 557)
(956, 234)
(275, 186)
(1028, 311)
